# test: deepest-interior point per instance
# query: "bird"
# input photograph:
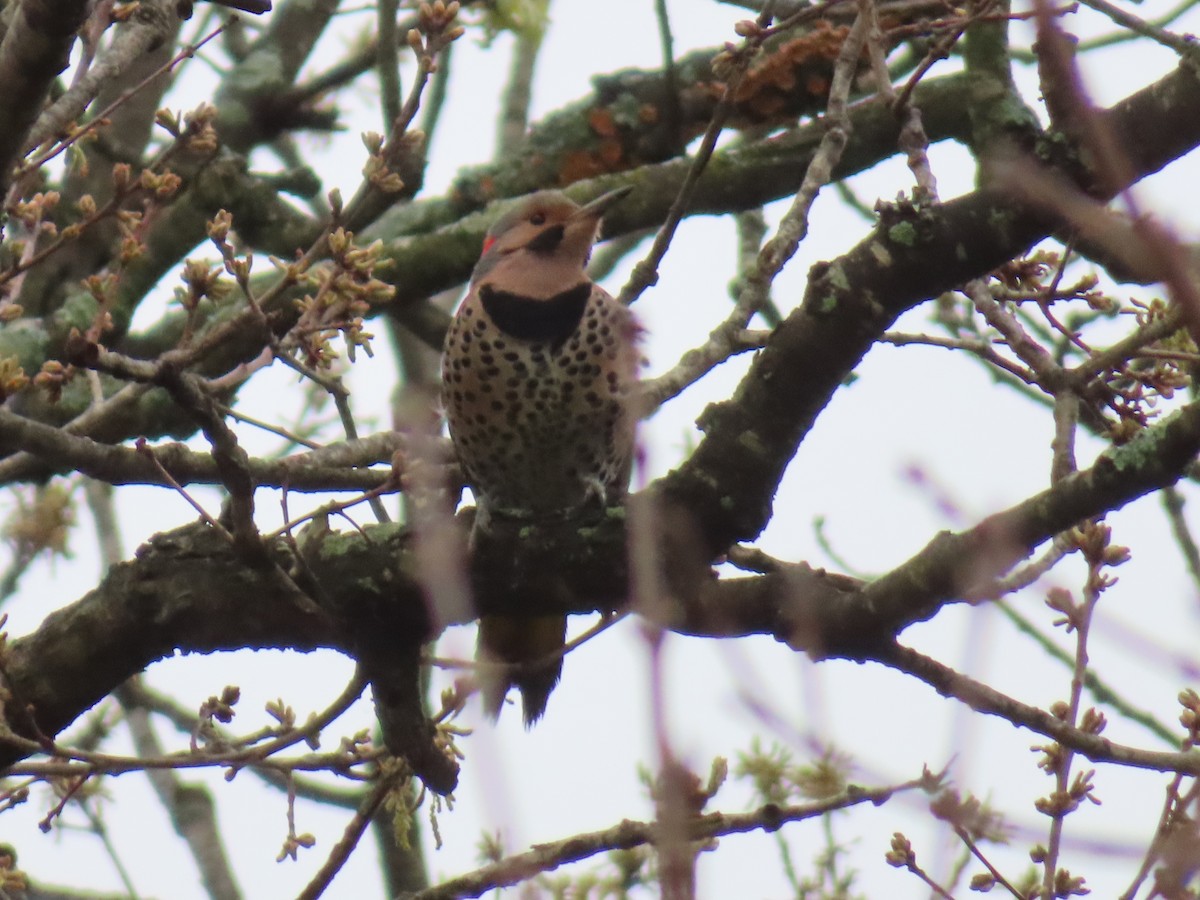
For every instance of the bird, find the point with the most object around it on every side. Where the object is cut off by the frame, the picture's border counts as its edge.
(539, 373)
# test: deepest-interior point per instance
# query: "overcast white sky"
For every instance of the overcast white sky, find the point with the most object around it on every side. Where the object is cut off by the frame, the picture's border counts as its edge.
(578, 769)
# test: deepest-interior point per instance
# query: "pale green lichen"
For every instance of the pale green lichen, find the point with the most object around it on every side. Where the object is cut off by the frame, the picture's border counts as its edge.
(903, 233)
(836, 276)
(1142, 449)
(752, 443)
(882, 254)
(339, 543)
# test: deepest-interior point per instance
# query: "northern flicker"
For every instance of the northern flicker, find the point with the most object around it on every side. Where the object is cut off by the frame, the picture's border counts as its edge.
(538, 372)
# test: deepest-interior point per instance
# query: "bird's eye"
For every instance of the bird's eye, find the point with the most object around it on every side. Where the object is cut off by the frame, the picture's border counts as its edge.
(538, 218)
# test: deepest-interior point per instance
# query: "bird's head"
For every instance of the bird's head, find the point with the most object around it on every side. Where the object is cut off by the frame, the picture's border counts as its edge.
(542, 244)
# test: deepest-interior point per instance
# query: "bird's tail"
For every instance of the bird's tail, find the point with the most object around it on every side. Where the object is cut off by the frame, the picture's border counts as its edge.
(520, 643)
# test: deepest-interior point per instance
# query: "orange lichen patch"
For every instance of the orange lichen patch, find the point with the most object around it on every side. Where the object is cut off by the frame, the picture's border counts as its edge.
(601, 121)
(713, 90)
(770, 85)
(578, 165)
(611, 153)
(817, 85)
(648, 113)
(771, 106)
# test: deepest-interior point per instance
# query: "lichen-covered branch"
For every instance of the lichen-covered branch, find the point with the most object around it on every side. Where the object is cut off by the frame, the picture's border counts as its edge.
(911, 255)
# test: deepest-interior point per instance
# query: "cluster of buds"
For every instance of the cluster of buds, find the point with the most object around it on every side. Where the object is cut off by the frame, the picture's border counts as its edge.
(237, 266)
(12, 376)
(1190, 717)
(161, 187)
(201, 280)
(735, 58)
(1060, 803)
(12, 879)
(344, 292)
(969, 815)
(376, 170)
(43, 523)
(292, 845)
(732, 59)
(215, 709)
(436, 30)
(194, 129)
(35, 212)
(53, 377)
(902, 855)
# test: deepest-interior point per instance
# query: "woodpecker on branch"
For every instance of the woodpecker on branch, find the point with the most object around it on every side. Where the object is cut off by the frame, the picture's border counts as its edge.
(538, 373)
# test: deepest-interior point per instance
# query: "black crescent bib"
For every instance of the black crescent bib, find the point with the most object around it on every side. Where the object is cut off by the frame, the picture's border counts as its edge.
(552, 320)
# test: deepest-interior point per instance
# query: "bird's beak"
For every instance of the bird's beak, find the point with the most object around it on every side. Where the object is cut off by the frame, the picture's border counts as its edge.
(602, 204)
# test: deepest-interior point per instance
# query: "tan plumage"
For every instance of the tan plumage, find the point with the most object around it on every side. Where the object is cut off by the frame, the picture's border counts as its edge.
(538, 372)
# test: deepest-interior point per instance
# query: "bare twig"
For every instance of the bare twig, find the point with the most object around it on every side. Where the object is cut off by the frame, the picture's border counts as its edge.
(518, 92)
(966, 838)
(1099, 689)
(50, 127)
(187, 721)
(972, 345)
(387, 61)
(1154, 849)
(722, 341)
(645, 273)
(1050, 375)
(985, 699)
(1185, 45)
(1173, 503)
(547, 857)
(73, 762)
(354, 831)
(670, 79)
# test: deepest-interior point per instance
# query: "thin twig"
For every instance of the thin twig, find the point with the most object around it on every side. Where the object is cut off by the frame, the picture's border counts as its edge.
(1184, 45)
(355, 829)
(628, 834)
(775, 254)
(966, 838)
(387, 61)
(101, 118)
(972, 345)
(72, 762)
(1154, 849)
(187, 721)
(1173, 503)
(518, 93)
(96, 823)
(985, 699)
(666, 41)
(645, 273)
(1050, 375)
(148, 451)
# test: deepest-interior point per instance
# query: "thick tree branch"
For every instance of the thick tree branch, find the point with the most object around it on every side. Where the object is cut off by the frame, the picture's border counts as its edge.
(35, 48)
(183, 590)
(188, 589)
(730, 479)
(249, 96)
(331, 468)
